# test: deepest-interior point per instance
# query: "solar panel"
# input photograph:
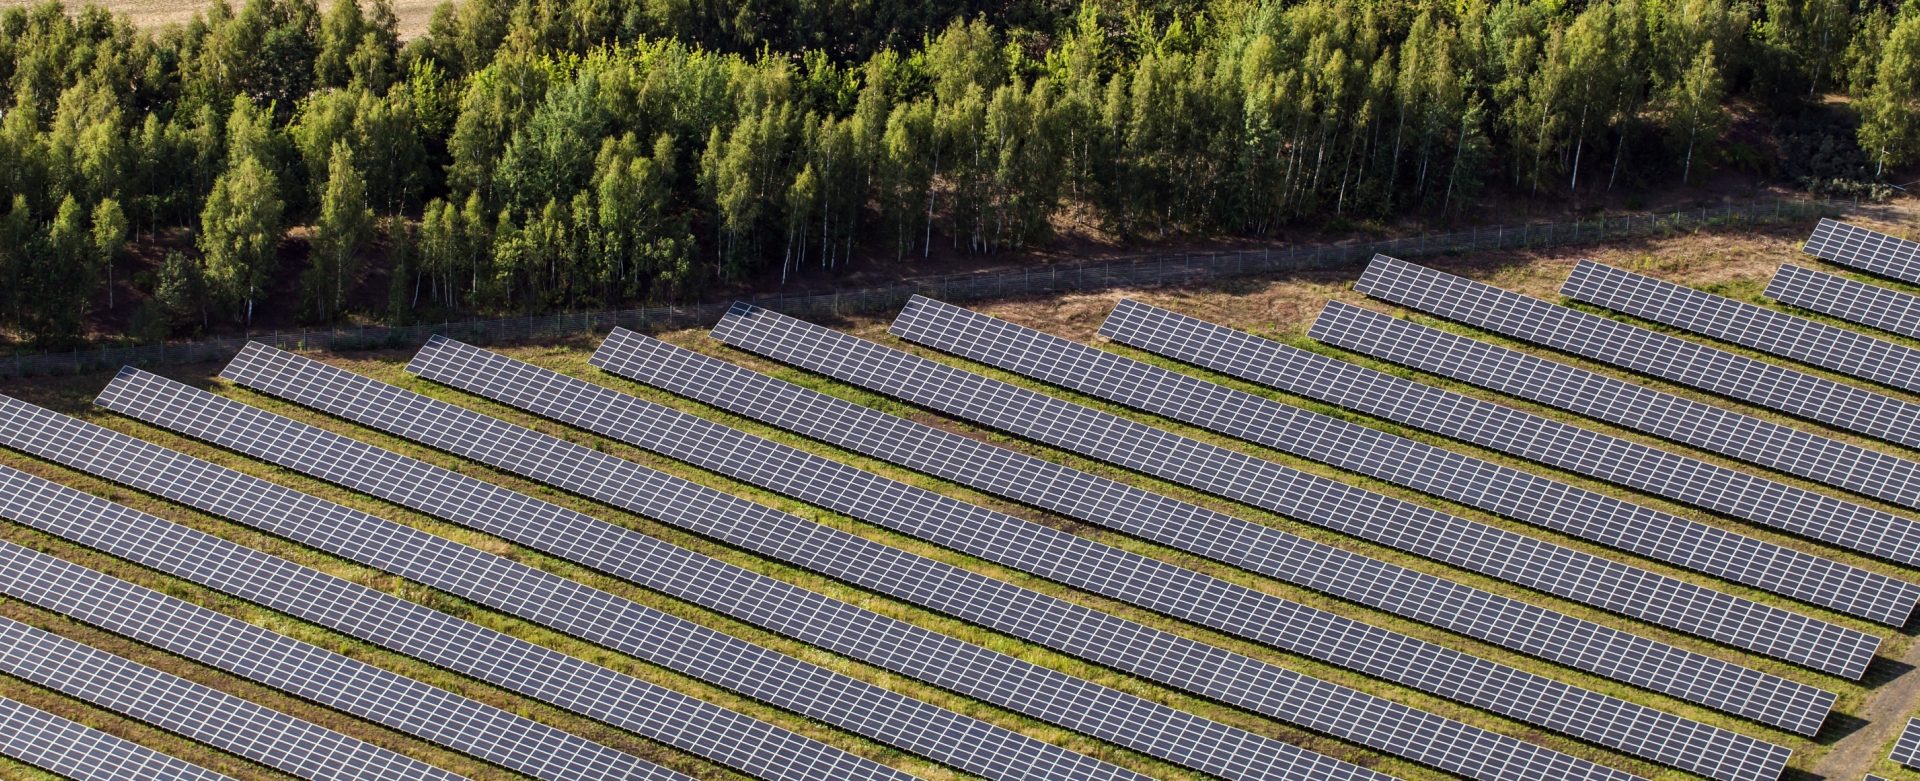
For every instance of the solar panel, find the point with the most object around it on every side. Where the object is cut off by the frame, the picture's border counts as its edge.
(1055, 623)
(1042, 483)
(1776, 333)
(1906, 750)
(1430, 533)
(1043, 693)
(1638, 349)
(567, 606)
(256, 654)
(1870, 251)
(867, 364)
(1661, 414)
(1022, 544)
(1687, 607)
(1516, 494)
(1071, 492)
(83, 753)
(1869, 305)
(208, 715)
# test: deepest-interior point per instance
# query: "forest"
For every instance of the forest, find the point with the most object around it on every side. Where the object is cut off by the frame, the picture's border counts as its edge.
(538, 155)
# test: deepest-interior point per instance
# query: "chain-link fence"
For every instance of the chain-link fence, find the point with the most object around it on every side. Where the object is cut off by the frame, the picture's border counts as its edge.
(1141, 271)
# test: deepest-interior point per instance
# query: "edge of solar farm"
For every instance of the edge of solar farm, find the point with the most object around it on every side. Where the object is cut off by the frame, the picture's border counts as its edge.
(1001, 606)
(686, 575)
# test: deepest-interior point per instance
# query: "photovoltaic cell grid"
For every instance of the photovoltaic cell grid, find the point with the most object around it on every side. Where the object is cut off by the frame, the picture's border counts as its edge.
(1906, 750)
(1638, 349)
(1045, 484)
(1043, 693)
(550, 600)
(870, 365)
(1869, 305)
(1869, 251)
(1622, 525)
(213, 717)
(1559, 385)
(1662, 414)
(1015, 542)
(1025, 478)
(1681, 605)
(1410, 527)
(1067, 627)
(77, 751)
(254, 653)
(1748, 325)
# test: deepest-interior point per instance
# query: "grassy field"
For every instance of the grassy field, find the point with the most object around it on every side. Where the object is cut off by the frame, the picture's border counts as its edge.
(1731, 263)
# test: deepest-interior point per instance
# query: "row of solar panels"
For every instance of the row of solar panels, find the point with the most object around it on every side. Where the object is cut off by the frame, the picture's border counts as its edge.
(968, 744)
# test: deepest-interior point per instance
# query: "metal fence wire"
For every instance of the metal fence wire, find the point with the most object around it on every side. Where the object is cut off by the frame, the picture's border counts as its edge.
(1140, 271)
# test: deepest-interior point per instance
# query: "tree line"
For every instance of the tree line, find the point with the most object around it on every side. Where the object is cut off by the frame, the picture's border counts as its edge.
(528, 155)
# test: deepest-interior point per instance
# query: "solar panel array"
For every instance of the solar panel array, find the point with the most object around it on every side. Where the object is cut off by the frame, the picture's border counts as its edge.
(1067, 627)
(1869, 305)
(867, 364)
(1906, 750)
(1052, 486)
(1033, 548)
(83, 753)
(1776, 333)
(1690, 422)
(1130, 721)
(1654, 354)
(256, 654)
(550, 600)
(1383, 519)
(1043, 483)
(1870, 251)
(213, 717)
(1684, 606)
(1584, 513)
(1845, 524)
